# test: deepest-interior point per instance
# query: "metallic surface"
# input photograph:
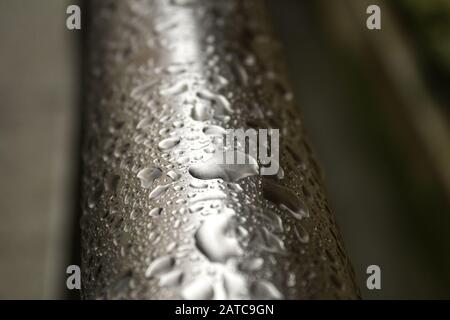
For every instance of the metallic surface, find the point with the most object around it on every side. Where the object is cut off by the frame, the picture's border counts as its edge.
(165, 78)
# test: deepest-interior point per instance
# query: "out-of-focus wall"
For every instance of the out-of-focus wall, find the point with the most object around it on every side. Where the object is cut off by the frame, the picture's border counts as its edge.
(37, 121)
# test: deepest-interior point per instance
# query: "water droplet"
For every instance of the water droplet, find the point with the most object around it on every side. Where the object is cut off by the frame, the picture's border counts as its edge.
(159, 266)
(155, 212)
(215, 168)
(235, 187)
(209, 195)
(221, 81)
(280, 173)
(165, 25)
(196, 207)
(183, 160)
(112, 183)
(337, 282)
(178, 124)
(145, 123)
(137, 92)
(241, 74)
(273, 242)
(289, 96)
(198, 184)
(168, 143)
(209, 149)
(158, 191)
(218, 99)
(214, 130)
(250, 60)
(285, 198)
(235, 286)
(148, 176)
(200, 112)
(302, 234)
(241, 231)
(175, 176)
(176, 89)
(135, 213)
(171, 279)
(216, 239)
(264, 290)
(252, 264)
(118, 288)
(291, 280)
(200, 289)
(164, 131)
(274, 220)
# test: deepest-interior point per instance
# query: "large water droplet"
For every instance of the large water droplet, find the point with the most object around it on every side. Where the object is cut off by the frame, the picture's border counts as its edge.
(148, 176)
(214, 130)
(252, 264)
(200, 112)
(216, 238)
(172, 278)
(235, 286)
(274, 220)
(168, 143)
(265, 290)
(302, 234)
(285, 198)
(215, 168)
(159, 266)
(273, 242)
(200, 289)
(158, 191)
(218, 99)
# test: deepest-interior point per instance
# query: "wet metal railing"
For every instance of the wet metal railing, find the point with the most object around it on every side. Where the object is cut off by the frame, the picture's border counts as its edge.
(160, 220)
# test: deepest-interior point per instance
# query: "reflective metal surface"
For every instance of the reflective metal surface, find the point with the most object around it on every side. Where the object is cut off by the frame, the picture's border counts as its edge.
(165, 77)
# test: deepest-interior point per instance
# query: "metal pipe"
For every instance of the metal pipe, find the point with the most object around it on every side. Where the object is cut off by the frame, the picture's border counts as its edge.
(166, 78)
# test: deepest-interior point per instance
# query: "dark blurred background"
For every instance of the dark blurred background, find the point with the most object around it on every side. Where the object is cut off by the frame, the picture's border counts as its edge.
(39, 72)
(376, 107)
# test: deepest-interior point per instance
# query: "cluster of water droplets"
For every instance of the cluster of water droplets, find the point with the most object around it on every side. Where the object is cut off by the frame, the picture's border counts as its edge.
(182, 223)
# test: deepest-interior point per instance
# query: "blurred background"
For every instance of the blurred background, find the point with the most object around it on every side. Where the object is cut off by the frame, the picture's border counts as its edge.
(376, 105)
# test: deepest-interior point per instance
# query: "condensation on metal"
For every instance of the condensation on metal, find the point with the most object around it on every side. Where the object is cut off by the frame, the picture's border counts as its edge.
(164, 76)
